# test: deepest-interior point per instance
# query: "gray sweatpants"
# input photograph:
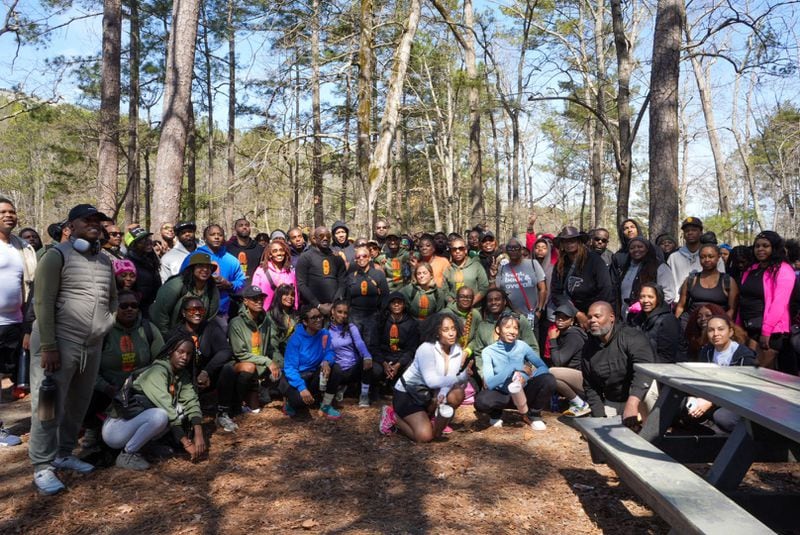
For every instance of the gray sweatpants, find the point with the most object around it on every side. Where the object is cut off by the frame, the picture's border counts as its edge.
(75, 383)
(131, 435)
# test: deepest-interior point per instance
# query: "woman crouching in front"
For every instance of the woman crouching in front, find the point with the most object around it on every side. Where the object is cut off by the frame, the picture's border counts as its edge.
(432, 387)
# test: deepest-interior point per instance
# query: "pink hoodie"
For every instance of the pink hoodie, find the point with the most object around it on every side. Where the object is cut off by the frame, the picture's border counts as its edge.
(279, 277)
(777, 293)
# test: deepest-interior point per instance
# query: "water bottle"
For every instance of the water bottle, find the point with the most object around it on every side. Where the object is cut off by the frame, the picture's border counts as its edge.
(23, 370)
(323, 381)
(444, 411)
(47, 399)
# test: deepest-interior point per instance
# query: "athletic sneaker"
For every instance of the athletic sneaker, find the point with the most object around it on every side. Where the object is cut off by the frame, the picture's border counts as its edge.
(7, 439)
(131, 461)
(330, 413)
(288, 410)
(576, 411)
(537, 424)
(224, 421)
(495, 422)
(71, 462)
(363, 400)
(247, 410)
(447, 429)
(89, 438)
(47, 481)
(340, 394)
(386, 425)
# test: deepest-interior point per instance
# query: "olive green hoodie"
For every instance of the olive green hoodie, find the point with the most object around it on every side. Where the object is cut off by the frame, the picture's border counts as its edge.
(471, 274)
(165, 312)
(252, 342)
(171, 392)
(435, 299)
(124, 351)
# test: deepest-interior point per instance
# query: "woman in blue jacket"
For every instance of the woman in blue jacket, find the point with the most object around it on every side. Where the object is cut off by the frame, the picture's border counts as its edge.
(308, 370)
(515, 376)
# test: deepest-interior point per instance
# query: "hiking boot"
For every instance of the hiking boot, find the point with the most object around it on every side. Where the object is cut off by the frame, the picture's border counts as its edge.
(47, 481)
(89, 438)
(288, 410)
(386, 425)
(330, 413)
(131, 461)
(224, 421)
(72, 463)
(363, 400)
(7, 439)
(576, 411)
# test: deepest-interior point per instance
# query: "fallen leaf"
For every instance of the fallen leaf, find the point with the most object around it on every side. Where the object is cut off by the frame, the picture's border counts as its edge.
(125, 509)
(308, 524)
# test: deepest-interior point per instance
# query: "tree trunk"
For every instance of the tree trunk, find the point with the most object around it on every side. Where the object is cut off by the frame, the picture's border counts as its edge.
(437, 221)
(477, 208)
(345, 167)
(296, 144)
(210, 146)
(132, 201)
(108, 153)
(743, 149)
(496, 174)
(378, 167)
(175, 121)
(230, 203)
(704, 90)
(663, 140)
(366, 68)
(622, 46)
(316, 158)
(190, 203)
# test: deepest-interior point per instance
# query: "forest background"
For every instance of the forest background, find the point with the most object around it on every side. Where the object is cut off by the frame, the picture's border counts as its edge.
(438, 114)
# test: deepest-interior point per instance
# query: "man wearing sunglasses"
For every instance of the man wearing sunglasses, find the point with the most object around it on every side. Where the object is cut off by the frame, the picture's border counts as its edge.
(466, 271)
(598, 242)
(112, 243)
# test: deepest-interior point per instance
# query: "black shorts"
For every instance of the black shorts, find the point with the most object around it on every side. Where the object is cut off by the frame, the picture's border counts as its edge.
(404, 405)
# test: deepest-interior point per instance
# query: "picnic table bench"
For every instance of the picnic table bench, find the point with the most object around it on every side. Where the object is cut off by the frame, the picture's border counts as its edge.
(651, 463)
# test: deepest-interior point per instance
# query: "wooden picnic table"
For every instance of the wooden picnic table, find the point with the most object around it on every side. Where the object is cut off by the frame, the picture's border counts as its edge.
(769, 430)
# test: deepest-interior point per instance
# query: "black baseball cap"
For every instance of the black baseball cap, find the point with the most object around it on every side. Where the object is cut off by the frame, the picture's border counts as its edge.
(184, 225)
(83, 211)
(692, 222)
(252, 291)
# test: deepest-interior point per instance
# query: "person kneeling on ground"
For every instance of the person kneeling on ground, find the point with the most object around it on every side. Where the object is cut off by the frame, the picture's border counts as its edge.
(168, 401)
(432, 388)
(250, 333)
(308, 367)
(514, 373)
(349, 351)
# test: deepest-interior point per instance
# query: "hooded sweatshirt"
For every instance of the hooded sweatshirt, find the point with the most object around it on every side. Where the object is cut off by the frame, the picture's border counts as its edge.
(470, 274)
(320, 276)
(395, 268)
(125, 350)
(620, 258)
(305, 353)
(165, 312)
(269, 279)
(469, 323)
(399, 340)
(173, 392)
(583, 287)
(423, 303)
(344, 249)
(212, 350)
(682, 262)
(662, 328)
(148, 278)
(228, 267)
(249, 256)
(250, 340)
(501, 360)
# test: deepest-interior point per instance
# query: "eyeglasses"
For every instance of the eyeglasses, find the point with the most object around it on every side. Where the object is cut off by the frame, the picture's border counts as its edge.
(115, 233)
(464, 297)
(126, 306)
(601, 240)
(513, 248)
(195, 310)
(462, 248)
(315, 317)
(361, 256)
(509, 314)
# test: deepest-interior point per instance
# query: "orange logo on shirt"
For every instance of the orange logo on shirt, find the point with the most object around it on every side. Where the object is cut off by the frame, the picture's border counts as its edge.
(364, 287)
(255, 342)
(424, 303)
(397, 272)
(458, 278)
(128, 353)
(326, 267)
(394, 337)
(243, 261)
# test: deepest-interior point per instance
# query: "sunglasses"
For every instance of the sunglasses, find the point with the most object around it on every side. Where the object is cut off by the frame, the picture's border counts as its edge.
(462, 248)
(601, 240)
(115, 233)
(380, 227)
(513, 248)
(129, 306)
(195, 310)
(361, 256)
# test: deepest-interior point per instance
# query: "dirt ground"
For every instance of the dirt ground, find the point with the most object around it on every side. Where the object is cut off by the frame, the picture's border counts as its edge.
(279, 475)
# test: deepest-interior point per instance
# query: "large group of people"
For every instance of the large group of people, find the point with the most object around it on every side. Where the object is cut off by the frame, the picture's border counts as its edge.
(143, 334)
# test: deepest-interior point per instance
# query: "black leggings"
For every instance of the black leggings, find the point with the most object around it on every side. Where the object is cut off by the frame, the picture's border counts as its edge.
(311, 379)
(538, 392)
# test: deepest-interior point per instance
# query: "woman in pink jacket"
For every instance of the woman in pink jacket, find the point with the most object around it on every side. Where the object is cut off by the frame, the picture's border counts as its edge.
(275, 269)
(765, 293)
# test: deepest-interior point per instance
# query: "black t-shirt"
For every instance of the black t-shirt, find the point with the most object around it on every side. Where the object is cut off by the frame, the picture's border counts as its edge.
(751, 296)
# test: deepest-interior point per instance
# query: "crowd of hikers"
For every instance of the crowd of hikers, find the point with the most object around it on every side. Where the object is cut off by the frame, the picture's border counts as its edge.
(134, 337)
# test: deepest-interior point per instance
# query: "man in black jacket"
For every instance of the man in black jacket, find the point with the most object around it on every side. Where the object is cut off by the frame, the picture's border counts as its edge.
(321, 273)
(610, 381)
(246, 250)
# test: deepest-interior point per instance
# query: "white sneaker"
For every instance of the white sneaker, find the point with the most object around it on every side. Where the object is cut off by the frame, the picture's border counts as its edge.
(537, 424)
(363, 400)
(47, 481)
(495, 422)
(73, 463)
(226, 423)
